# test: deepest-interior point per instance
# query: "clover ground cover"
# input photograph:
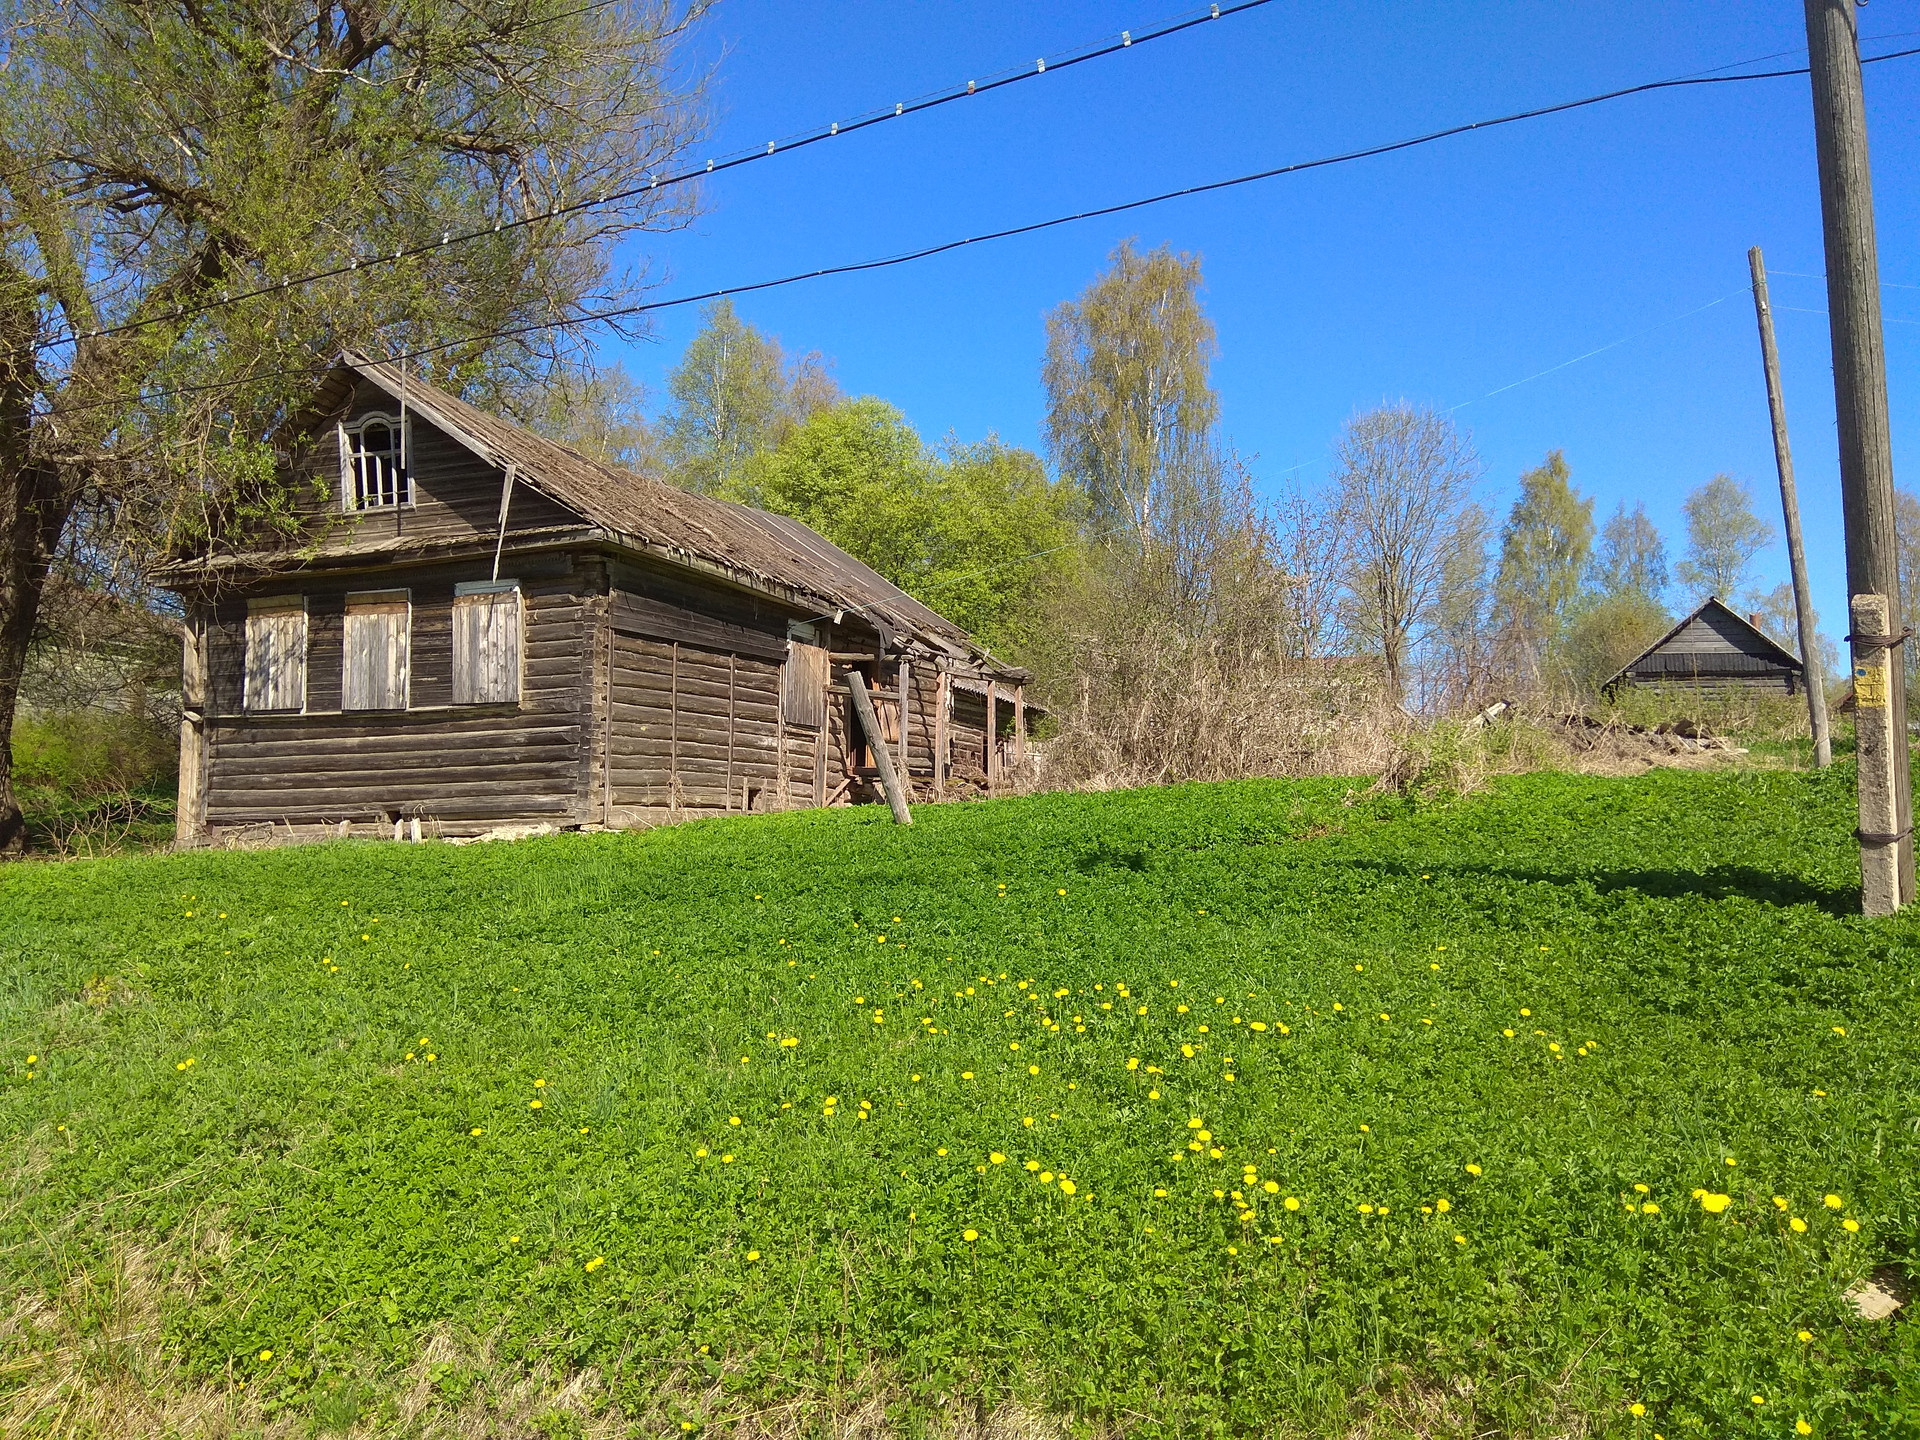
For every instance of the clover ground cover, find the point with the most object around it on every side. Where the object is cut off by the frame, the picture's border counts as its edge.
(1254, 1109)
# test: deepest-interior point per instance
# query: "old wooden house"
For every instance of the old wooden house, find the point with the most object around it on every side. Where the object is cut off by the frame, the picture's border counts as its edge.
(479, 628)
(1715, 649)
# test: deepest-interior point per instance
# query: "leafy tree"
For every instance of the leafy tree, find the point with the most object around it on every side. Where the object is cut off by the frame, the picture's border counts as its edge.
(602, 414)
(1004, 537)
(729, 394)
(1723, 537)
(1130, 408)
(978, 533)
(1405, 476)
(1606, 633)
(735, 396)
(1543, 557)
(159, 155)
(1632, 559)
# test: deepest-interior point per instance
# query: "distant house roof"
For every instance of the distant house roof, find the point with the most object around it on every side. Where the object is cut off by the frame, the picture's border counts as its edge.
(1714, 642)
(763, 551)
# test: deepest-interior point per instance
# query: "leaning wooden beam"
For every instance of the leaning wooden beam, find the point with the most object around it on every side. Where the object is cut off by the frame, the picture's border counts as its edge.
(870, 723)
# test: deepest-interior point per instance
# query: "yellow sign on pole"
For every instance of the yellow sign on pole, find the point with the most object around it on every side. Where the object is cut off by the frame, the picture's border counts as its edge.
(1870, 682)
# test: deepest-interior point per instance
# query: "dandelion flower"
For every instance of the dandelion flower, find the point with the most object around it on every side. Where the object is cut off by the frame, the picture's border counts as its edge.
(1801, 1427)
(1840, 1030)
(1046, 1177)
(1639, 1189)
(1153, 1094)
(476, 1132)
(1272, 1187)
(1473, 1169)
(1507, 1033)
(1715, 1204)
(966, 1074)
(1066, 1187)
(753, 1254)
(726, 1159)
(1443, 1205)
(1850, 1225)
(1650, 1208)
(701, 1153)
(1805, 1336)
(969, 1235)
(1033, 1165)
(1797, 1225)
(1731, 1161)
(941, 1151)
(1459, 1239)
(1759, 1399)
(733, 1120)
(1834, 1202)
(1291, 1202)
(596, 1263)
(997, 1158)
(533, 1104)
(1636, 1409)
(1033, 1069)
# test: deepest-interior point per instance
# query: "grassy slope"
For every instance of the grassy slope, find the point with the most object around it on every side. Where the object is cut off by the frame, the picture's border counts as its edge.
(320, 1195)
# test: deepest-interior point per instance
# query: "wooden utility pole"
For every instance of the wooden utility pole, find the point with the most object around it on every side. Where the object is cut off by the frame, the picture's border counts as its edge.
(1866, 447)
(870, 723)
(1816, 681)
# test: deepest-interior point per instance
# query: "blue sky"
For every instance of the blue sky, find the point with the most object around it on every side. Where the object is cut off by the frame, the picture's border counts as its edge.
(1439, 274)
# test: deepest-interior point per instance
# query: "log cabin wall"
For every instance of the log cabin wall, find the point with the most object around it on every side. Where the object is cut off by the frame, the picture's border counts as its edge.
(455, 495)
(459, 768)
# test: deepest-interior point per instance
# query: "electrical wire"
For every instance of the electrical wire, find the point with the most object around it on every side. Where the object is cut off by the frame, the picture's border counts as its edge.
(562, 209)
(622, 312)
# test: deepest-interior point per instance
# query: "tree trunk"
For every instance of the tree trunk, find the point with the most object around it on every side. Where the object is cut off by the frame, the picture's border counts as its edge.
(34, 508)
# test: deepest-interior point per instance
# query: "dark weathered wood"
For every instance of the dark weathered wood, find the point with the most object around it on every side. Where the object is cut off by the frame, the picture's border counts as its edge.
(870, 723)
(1790, 509)
(1020, 724)
(942, 704)
(1859, 364)
(993, 739)
(641, 615)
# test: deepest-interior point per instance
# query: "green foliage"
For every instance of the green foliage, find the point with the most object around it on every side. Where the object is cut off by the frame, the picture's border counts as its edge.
(979, 533)
(729, 400)
(1632, 557)
(1605, 633)
(1723, 537)
(94, 781)
(303, 1082)
(1130, 405)
(1544, 548)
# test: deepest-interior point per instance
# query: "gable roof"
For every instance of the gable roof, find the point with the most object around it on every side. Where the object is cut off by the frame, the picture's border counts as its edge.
(1768, 647)
(766, 552)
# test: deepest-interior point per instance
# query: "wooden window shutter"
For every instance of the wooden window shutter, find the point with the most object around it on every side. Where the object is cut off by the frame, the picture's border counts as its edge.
(804, 682)
(378, 633)
(276, 677)
(486, 644)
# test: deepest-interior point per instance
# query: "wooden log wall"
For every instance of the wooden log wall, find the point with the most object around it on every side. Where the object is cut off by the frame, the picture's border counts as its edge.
(461, 766)
(692, 728)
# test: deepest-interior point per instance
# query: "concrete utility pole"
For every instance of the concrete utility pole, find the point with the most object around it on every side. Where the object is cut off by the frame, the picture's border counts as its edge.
(1816, 681)
(1866, 454)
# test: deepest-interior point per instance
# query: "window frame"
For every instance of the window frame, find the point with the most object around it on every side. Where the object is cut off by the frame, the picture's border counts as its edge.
(353, 491)
(261, 606)
(389, 596)
(468, 589)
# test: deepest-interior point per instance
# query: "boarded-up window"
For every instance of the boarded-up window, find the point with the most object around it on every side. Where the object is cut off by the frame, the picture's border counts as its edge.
(486, 644)
(277, 654)
(376, 643)
(804, 685)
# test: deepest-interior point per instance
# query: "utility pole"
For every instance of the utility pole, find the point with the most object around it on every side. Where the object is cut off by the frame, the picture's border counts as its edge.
(1866, 456)
(1816, 682)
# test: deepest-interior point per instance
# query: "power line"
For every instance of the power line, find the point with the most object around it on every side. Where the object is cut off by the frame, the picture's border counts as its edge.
(562, 209)
(621, 312)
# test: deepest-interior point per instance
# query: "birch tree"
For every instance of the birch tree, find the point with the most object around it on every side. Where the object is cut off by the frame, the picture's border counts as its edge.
(1130, 406)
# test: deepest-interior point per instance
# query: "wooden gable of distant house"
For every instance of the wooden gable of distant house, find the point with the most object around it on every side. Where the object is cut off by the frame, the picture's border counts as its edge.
(1714, 648)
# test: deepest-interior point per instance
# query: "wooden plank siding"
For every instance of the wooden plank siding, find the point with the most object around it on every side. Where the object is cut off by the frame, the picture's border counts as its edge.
(452, 763)
(455, 495)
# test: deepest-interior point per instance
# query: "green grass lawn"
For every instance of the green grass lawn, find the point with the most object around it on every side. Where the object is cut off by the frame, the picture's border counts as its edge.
(1251, 1109)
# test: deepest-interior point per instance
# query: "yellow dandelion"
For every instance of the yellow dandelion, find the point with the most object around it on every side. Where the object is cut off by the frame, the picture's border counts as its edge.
(1715, 1204)
(1473, 1169)
(1834, 1202)
(1850, 1225)
(596, 1263)
(997, 1158)
(969, 1235)
(1291, 1202)
(1636, 1409)
(1797, 1225)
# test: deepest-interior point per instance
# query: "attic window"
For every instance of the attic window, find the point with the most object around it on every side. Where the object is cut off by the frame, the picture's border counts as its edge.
(374, 455)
